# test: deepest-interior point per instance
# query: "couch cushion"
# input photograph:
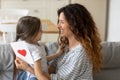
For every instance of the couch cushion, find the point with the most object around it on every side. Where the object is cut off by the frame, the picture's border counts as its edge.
(6, 62)
(51, 47)
(110, 50)
(111, 62)
(111, 54)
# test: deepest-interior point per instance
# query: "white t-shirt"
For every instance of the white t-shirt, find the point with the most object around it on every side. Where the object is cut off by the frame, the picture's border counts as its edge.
(37, 52)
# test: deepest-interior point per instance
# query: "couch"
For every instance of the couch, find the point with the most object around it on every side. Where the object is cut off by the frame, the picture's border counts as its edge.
(111, 62)
(110, 69)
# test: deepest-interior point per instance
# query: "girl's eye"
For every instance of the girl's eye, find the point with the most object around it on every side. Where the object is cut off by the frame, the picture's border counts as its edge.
(41, 30)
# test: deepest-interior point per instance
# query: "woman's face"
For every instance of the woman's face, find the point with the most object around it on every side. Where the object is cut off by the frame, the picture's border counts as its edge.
(63, 26)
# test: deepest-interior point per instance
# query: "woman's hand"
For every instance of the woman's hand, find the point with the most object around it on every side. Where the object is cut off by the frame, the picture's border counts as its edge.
(20, 64)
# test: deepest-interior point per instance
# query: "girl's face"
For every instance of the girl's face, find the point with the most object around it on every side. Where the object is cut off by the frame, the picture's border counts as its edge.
(39, 35)
(63, 26)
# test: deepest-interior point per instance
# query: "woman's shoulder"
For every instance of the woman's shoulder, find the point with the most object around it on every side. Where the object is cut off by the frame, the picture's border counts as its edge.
(77, 51)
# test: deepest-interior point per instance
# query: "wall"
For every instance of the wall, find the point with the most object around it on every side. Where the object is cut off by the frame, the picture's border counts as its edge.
(98, 9)
(114, 21)
(0, 3)
(44, 9)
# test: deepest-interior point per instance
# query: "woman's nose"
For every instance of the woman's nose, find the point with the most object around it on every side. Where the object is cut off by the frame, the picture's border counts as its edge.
(58, 26)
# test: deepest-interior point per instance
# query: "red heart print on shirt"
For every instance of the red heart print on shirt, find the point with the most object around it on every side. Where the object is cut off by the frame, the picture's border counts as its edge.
(22, 52)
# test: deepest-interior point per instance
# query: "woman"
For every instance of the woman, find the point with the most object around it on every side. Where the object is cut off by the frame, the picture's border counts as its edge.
(81, 42)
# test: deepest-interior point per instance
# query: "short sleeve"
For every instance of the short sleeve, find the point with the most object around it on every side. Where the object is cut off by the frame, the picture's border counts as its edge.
(36, 55)
(35, 52)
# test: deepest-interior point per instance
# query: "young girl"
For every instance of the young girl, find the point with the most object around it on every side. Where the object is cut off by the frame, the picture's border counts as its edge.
(29, 30)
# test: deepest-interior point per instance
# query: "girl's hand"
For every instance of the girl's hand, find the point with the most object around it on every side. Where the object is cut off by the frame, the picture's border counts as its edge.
(54, 55)
(20, 64)
(60, 50)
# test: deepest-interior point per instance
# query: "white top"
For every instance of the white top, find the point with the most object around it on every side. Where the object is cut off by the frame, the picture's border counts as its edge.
(73, 65)
(37, 52)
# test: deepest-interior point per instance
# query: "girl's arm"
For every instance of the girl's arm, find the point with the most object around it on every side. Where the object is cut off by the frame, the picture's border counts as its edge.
(54, 55)
(38, 71)
(20, 64)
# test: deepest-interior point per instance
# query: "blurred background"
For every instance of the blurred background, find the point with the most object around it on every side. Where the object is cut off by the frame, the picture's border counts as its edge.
(105, 14)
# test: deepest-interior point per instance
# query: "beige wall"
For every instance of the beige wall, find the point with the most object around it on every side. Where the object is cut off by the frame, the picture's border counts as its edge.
(98, 11)
(96, 7)
(44, 9)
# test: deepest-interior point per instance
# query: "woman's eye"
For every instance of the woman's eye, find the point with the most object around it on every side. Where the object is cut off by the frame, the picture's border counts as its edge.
(61, 22)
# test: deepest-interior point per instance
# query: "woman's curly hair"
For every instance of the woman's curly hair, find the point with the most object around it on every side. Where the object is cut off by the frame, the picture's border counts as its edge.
(84, 30)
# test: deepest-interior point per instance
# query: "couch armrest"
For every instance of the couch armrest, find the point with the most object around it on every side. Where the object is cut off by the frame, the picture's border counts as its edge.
(6, 62)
